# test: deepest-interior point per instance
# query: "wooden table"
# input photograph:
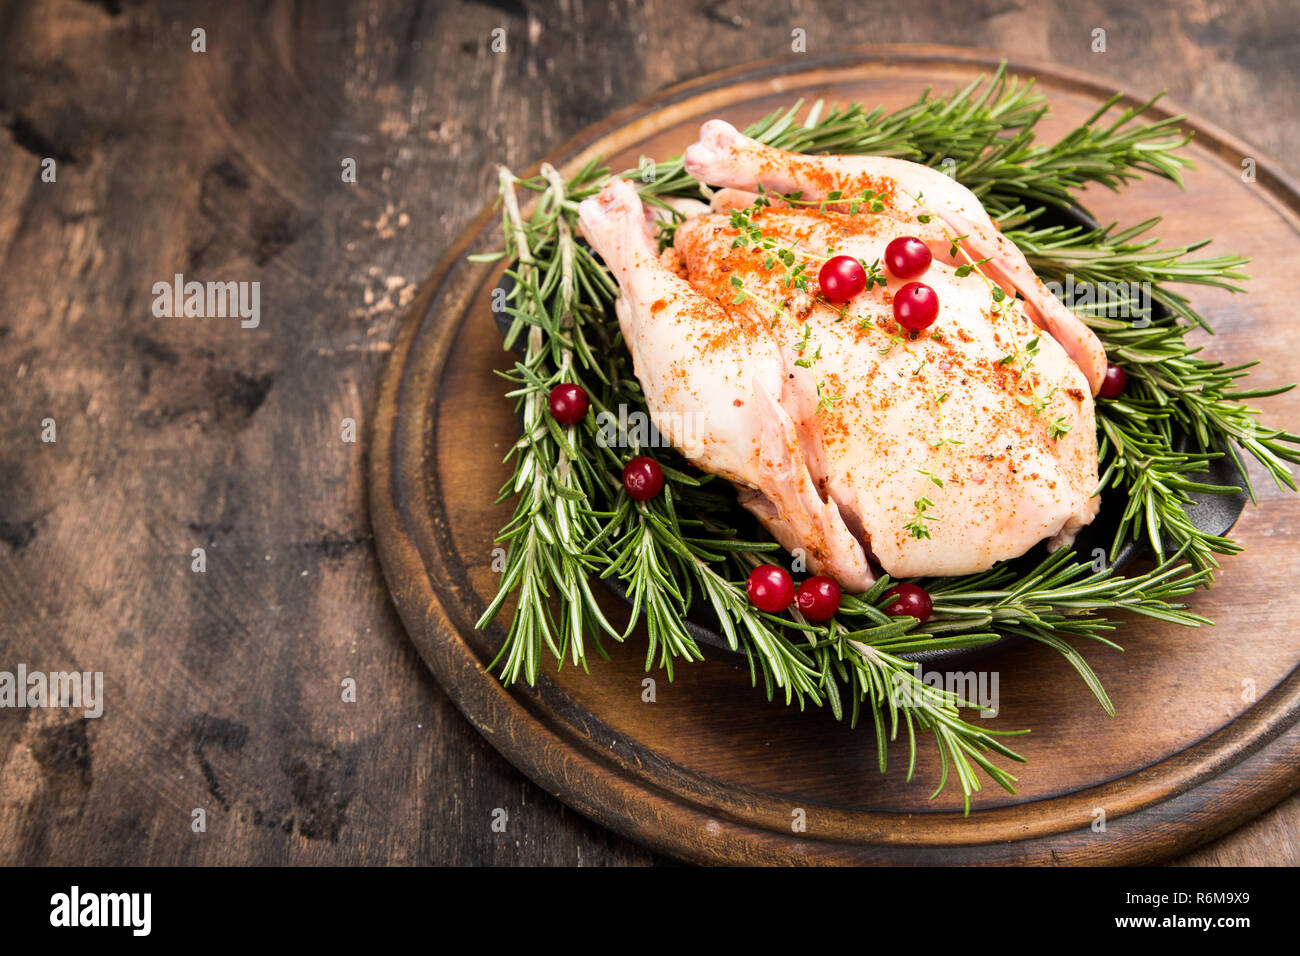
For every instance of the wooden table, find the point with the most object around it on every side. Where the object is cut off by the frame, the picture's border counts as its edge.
(225, 688)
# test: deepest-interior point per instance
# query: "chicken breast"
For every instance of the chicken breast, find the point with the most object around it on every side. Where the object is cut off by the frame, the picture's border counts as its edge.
(941, 451)
(937, 209)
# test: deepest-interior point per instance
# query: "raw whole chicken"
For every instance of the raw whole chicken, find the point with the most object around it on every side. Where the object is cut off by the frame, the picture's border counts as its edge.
(866, 445)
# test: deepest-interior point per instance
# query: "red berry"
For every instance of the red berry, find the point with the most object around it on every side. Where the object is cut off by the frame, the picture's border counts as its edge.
(643, 478)
(907, 257)
(909, 599)
(841, 278)
(818, 598)
(568, 404)
(770, 588)
(916, 306)
(1112, 386)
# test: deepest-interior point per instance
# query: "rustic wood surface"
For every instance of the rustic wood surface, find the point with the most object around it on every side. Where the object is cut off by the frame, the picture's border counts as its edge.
(223, 688)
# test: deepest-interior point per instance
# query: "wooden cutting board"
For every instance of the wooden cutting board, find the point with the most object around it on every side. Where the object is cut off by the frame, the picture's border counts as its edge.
(1206, 731)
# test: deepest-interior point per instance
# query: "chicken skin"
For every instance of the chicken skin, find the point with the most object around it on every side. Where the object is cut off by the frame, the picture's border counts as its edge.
(865, 445)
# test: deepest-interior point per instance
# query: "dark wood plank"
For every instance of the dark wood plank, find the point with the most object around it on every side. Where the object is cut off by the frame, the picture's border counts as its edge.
(223, 688)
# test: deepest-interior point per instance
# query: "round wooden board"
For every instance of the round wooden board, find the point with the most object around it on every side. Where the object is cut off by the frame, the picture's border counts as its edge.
(1206, 731)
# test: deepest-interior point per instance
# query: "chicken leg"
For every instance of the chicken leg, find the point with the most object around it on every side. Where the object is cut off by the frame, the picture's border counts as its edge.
(713, 380)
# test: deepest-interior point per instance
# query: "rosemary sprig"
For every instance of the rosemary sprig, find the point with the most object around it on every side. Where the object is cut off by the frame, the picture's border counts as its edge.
(1172, 391)
(983, 135)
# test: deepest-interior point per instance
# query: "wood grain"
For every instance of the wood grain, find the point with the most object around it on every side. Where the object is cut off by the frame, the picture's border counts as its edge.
(223, 689)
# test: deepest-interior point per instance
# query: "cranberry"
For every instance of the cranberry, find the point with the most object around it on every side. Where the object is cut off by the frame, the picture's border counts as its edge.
(916, 306)
(909, 599)
(841, 278)
(1112, 386)
(568, 404)
(643, 478)
(770, 588)
(818, 598)
(907, 257)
